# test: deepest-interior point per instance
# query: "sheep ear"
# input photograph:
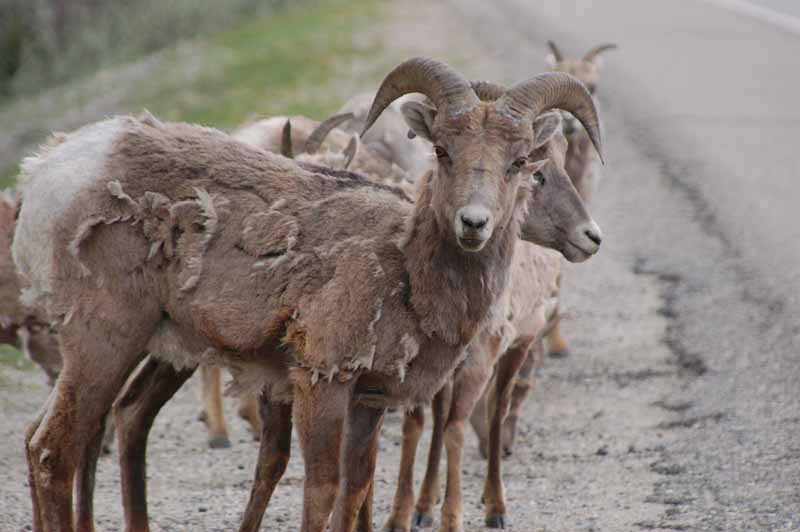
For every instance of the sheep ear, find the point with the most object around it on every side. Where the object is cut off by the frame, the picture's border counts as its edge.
(419, 118)
(544, 127)
(351, 151)
(550, 61)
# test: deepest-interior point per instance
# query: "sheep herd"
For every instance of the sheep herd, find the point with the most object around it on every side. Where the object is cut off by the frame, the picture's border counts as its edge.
(405, 252)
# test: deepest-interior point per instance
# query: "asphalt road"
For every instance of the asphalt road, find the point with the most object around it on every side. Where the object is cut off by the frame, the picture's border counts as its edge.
(678, 408)
(702, 191)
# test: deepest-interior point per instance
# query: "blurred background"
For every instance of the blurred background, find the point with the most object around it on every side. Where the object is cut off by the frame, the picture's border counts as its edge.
(678, 408)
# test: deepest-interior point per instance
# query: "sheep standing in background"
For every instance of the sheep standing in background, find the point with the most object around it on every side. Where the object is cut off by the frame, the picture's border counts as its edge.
(389, 137)
(582, 163)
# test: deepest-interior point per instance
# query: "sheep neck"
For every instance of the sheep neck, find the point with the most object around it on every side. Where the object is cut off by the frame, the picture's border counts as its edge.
(452, 291)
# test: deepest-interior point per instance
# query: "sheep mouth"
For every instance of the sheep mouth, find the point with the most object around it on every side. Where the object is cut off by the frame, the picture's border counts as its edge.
(575, 253)
(471, 244)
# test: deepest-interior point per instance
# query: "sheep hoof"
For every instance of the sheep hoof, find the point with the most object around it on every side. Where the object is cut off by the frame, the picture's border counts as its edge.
(219, 442)
(561, 353)
(496, 521)
(421, 520)
(202, 416)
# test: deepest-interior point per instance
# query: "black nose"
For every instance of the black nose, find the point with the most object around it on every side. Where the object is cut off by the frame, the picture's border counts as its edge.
(593, 236)
(474, 221)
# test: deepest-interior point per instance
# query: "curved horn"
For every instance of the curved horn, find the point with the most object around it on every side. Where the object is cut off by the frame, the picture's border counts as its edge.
(555, 51)
(442, 84)
(597, 50)
(351, 151)
(321, 132)
(286, 140)
(487, 91)
(554, 90)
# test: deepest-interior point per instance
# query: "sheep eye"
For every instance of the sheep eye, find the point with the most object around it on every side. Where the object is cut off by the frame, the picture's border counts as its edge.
(539, 179)
(441, 153)
(519, 163)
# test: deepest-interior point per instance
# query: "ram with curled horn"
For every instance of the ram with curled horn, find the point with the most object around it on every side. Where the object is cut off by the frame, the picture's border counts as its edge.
(529, 306)
(320, 288)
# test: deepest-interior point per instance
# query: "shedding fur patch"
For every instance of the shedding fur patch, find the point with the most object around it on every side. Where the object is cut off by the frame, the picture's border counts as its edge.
(338, 325)
(268, 234)
(198, 221)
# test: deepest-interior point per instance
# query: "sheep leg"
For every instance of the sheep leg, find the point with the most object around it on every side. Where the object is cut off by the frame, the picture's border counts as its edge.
(557, 345)
(135, 410)
(365, 514)
(480, 421)
(87, 467)
(249, 411)
(319, 412)
(81, 398)
(400, 518)
(429, 493)
(29, 432)
(499, 401)
(358, 456)
(467, 388)
(523, 385)
(273, 456)
(212, 400)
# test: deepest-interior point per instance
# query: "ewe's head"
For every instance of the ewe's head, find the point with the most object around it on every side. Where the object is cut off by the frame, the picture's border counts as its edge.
(557, 217)
(482, 147)
(586, 69)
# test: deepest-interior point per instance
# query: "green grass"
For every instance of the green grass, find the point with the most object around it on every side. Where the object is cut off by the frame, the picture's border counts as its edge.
(276, 64)
(11, 357)
(303, 59)
(8, 176)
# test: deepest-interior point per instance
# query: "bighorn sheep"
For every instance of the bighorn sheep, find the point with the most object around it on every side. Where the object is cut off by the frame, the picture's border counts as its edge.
(581, 161)
(325, 145)
(530, 300)
(388, 137)
(181, 240)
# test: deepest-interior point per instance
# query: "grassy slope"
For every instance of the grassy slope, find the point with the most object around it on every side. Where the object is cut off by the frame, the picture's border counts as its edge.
(299, 60)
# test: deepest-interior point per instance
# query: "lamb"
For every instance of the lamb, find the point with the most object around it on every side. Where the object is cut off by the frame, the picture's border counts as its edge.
(530, 300)
(273, 269)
